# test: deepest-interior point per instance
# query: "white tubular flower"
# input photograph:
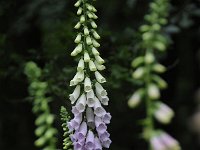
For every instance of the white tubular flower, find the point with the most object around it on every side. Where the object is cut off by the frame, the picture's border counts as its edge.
(92, 66)
(86, 57)
(153, 91)
(74, 81)
(99, 59)
(103, 99)
(88, 40)
(80, 76)
(100, 90)
(74, 96)
(98, 66)
(95, 51)
(80, 104)
(79, 12)
(96, 35)
(90, 117)
(78, 39)
(93, 24)
(95, 43)
(78, 25)
(77, 50)
(99, 77)
(90, 98)
(87, 85)
(81, 65)
(98, 109)
(86, 31)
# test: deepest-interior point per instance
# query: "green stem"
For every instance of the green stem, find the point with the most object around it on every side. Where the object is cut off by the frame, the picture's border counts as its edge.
(149, 116)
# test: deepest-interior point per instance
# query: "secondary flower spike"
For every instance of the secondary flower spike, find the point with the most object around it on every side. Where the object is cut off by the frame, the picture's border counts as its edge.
(88, 128)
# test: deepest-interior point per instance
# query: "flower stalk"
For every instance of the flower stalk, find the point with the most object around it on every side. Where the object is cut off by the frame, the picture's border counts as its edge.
(88, 128)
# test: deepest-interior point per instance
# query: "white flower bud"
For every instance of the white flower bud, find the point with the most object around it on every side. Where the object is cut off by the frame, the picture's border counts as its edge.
(103, 99)
(92, 66)
(95, 51)
(89, 7)
(96, 35)
(138, 61)
(159, 68)
(95, 43)
(78, 25)
(81, 65)
(138, 73)
(88, 40)
(90, 15)
(93, 24)
(153, 91)
(100, 90)
(79, 12)
(94, 9)
(74, 96)
(82, 19)
(78, 39)
(86, 57)
(99, 77)
(149, 58)
(134, 100)
(86, 31)
(99, 67)
(94, 16)
(77, 4)
(87, 85)
(99, 59)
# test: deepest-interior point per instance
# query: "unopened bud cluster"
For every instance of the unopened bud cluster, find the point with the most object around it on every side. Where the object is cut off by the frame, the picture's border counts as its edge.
(89, 126)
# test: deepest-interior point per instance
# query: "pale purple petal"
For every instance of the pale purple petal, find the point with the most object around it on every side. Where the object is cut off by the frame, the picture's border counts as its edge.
(82, 131)
(90, 140)
(106, 143)
(157, 144)
(97, 144)
(80, 104)
(75, 111)
(104, 136)
(77, 146)
(100, 125)
(106, 118)
(98, 109)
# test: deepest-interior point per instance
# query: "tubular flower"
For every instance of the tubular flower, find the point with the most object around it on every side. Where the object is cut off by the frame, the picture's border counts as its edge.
(88, 127)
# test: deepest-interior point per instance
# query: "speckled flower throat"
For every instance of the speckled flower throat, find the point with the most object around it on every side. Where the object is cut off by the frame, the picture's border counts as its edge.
(88, 127)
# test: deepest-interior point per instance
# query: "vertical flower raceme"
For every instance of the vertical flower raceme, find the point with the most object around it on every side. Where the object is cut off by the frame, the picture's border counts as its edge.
(89, 125)
(146, 72)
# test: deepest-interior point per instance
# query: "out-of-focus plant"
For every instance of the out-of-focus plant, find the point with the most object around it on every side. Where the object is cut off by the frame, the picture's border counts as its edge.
(88, 127)
(38, 89)
(65, 117)
(146, 70)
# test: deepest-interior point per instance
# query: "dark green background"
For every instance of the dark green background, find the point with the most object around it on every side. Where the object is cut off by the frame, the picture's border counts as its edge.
(42, 31)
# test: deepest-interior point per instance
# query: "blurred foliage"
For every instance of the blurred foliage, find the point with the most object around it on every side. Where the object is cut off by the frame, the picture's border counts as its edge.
(44, 121)
(42, 31)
